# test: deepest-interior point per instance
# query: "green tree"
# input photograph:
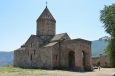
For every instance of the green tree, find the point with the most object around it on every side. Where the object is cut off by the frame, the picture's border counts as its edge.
(98, 62)
(107, 17)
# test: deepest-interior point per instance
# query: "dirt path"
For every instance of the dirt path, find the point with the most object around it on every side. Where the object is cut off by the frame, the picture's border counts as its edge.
(96, 72)
(38, 72)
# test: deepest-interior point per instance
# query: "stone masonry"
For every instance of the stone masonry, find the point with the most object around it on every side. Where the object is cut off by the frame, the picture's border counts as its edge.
(94, 60)
(104, 61)
(49, 50)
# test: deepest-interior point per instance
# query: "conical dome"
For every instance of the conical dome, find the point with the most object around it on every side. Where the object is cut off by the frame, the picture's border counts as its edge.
(46, 15)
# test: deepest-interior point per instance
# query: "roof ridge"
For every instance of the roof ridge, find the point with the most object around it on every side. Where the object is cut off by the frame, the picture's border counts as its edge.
(61, 33)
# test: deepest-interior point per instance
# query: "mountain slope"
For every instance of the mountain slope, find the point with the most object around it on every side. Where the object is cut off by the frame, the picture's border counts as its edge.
(6, 58)
(98, 47)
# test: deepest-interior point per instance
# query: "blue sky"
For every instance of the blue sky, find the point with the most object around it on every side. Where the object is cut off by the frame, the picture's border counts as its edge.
(78, 18)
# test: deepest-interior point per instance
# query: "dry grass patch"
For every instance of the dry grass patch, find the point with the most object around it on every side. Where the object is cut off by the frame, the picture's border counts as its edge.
(13, 71)
(20, 72)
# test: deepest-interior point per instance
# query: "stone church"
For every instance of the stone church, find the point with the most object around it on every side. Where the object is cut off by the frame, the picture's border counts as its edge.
(49, 50)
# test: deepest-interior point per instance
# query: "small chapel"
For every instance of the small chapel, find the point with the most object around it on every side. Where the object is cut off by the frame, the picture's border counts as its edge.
(49, 50)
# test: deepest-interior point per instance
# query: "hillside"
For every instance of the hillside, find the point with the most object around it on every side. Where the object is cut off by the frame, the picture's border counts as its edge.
(98, 47)
(6, 58)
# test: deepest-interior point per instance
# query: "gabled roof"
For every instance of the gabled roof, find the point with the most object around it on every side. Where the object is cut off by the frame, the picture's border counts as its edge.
(35, 36)
(58, 37)
(46, 14)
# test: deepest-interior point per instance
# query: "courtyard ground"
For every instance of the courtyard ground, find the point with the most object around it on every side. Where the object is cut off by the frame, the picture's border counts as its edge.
(11, 71)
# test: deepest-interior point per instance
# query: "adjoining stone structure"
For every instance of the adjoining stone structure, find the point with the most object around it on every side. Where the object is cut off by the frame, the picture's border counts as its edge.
(48, 50)
(94, 60)
(104, 61)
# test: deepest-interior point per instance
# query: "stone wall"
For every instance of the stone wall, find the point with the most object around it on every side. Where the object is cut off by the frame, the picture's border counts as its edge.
(56, 56)
(19, 58)
(41, 59)
(104, 61)
(94, 59)
(33, 56)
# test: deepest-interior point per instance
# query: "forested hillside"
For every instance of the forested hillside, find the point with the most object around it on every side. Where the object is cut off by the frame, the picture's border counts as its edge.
(98, 47)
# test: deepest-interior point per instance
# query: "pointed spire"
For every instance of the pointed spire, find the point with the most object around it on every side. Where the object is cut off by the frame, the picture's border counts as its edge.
(46, 14)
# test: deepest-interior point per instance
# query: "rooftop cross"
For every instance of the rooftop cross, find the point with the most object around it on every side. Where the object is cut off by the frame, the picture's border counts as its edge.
(46, 3)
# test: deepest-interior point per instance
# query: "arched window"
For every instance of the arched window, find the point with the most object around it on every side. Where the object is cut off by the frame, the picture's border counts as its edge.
(30, 57)
(56, 57)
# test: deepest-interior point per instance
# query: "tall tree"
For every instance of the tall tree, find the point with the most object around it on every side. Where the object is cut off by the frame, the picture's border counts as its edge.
(107, 17)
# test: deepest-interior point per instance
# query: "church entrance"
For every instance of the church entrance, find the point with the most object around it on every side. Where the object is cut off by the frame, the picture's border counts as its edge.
(71, 59)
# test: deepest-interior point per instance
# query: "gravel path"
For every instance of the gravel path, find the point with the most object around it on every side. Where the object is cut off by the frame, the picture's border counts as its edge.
(96, 72)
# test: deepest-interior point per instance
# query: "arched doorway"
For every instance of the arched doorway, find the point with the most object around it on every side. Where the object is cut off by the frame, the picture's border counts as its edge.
(71, 59)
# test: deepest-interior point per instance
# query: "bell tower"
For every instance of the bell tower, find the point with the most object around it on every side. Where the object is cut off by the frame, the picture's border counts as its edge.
(46, 25)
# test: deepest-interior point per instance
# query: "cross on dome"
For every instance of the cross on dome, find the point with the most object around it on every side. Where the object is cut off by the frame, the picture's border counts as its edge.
(46, 3)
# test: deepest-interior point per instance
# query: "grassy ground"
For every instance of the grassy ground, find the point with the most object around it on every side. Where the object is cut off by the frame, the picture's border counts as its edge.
(11, 71)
